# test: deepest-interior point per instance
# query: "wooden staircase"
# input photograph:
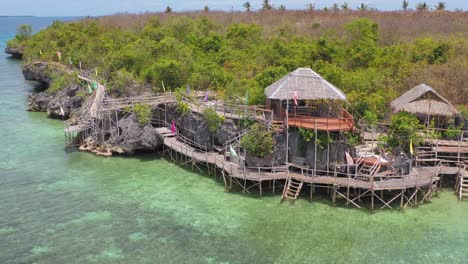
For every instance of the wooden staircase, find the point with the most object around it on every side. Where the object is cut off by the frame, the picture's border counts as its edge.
(462, 184)
(292, 189)
(366, 169)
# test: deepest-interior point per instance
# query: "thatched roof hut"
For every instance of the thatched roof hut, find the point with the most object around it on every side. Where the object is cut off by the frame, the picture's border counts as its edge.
(424, 100)
(306, 84)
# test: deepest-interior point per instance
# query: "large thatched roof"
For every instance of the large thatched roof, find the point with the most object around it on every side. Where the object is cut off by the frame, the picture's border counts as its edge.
(422, 99)
(307, 84)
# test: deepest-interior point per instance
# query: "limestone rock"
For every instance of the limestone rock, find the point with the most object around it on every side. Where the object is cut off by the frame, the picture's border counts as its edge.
(65, 98)
(14, 52)
(39, 72)
(38, 102)
(227, 130)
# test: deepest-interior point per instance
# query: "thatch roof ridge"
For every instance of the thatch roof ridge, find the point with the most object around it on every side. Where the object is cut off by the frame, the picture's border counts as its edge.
(308, 85)
(412, 102)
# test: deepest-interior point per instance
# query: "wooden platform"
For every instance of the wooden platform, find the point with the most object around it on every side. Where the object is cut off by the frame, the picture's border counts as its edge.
(420, 176)
(165, 132)
(451, 149)
(321, 124)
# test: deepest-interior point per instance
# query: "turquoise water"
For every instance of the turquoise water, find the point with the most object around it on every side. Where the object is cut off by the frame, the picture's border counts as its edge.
(60, 207)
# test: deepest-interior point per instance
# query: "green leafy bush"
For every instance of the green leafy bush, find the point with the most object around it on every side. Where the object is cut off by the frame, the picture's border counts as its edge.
(306, 134)
(453, 131)
(246, 122)
(403, 129)
(258, 141)
(352, 139)
(183, 108)
(61, 81)
(212, 119)
(143, 113)
(371, 118)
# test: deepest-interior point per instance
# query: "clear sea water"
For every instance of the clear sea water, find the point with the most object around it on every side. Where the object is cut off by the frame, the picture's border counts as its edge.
(59, 207)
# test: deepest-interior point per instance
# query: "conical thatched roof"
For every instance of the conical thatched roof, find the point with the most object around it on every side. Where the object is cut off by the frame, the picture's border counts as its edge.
(307, 84)
(422, 99)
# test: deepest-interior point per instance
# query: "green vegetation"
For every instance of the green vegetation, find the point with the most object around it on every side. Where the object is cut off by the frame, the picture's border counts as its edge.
(258, 141)
(403, 130)
(23, 33)
(352, 139)
(61, 81)
(369, 62)
(431, 132)
(306, 134)
(453, 131)
(183, 108)
(323, 138)
(246, 122)
(212, 119)
(143, 113)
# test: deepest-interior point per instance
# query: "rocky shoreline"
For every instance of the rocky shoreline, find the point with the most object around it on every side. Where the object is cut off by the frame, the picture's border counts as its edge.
(133, 136)
(14, 52)
(43, 101)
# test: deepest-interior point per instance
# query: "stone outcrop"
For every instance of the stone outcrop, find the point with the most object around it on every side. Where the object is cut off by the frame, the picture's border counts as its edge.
(299, 148)
(193, 126)
(14, 52)
(227, 130)
(38, 102)
(47, 102)
(134, 136)
(39, 72)
(277, 158)
(67, 99)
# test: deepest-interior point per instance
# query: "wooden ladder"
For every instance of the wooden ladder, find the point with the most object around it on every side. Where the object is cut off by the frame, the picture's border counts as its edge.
(463, 185)
(292, 189)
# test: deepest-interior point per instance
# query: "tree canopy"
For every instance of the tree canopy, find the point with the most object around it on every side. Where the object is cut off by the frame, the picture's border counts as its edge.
(241, 57)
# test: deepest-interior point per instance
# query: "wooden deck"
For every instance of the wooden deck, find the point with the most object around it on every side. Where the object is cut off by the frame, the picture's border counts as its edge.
(420, 176)
(321, 123)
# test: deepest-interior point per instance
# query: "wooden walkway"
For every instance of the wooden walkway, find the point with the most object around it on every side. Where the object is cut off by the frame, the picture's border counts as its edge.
(419, 176)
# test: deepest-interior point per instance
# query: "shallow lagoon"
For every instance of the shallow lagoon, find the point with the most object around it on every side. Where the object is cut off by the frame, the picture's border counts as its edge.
(60, 207)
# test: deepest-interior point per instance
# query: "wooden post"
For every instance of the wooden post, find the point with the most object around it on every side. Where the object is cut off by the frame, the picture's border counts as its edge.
(459, 144)
(287, 135)
(328, 152)
(315, 150)
(349, 183)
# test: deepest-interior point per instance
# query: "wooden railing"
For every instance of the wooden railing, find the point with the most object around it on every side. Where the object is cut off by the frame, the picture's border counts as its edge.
(182, 138)
(119, 103)
(258, 113)
(347, 117)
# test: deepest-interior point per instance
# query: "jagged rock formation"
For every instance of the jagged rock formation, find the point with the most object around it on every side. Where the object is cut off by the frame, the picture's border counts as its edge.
(228, 130)
(14, 52)
(47, 102)
(134, 136)
(39, 72)
(299, 148)
(66, 98)
(277, 158)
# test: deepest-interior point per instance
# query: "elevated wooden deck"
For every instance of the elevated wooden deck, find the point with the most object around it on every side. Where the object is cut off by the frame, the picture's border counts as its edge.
(321, 123)
(420, 176)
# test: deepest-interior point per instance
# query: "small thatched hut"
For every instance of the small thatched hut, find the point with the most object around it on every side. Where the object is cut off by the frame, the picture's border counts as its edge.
(312, 102)
(427, 104)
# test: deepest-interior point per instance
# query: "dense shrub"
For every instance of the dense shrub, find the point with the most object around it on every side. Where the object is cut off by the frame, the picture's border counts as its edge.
(372, 56)
(212, 119)
(142, 112)
(403, 129)
(258, 141)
